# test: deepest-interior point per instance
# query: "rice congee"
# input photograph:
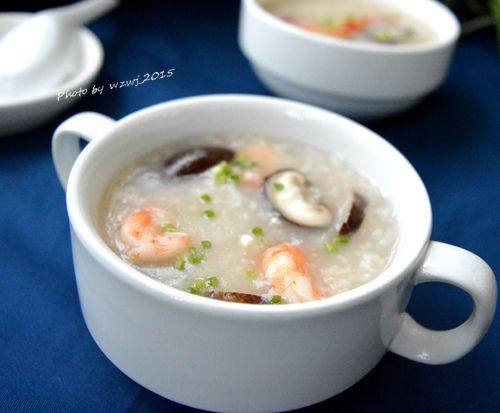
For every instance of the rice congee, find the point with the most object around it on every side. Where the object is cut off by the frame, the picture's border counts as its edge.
(249, 219)
(353, 20)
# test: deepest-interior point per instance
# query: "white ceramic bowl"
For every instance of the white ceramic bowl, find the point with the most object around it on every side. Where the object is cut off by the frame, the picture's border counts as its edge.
(222, 356)
(359, 80)
(30, 111)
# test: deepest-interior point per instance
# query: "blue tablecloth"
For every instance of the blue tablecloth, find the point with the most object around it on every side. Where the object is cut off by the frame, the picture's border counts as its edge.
(48, 360)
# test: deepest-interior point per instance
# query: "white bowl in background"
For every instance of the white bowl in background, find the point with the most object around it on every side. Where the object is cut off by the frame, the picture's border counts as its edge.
(30, 111)
(356, 79)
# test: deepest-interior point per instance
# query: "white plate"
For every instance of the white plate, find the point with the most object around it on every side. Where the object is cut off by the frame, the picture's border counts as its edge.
(28, 112)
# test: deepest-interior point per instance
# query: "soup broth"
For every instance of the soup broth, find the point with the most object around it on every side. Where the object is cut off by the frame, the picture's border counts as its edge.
(250, 219)
(357, 20)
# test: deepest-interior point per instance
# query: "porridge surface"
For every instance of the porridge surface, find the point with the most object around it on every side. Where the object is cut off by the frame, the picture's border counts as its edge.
(236, 246)
(332, 17)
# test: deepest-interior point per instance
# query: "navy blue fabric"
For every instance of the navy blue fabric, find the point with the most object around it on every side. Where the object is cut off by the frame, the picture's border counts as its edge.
(48, 360)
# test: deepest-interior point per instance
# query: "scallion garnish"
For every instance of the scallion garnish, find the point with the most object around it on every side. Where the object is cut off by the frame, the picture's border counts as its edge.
(180, 264)
(330, 247)
(251, 273)
(170, 228)
(199, 284)
(333, 245)
(202, 285)
(208, 213)
(257, 231)
(195, 258)
(278, 186)
(240, 163)
(206, 244)
(277, 299)
(212, 282)
(224, 172)
(206, 198)
(235, 178)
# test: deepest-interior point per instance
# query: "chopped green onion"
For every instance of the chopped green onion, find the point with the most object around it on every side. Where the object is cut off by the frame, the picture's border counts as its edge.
(212, 282)
(170, 228)
(180, 264)
(199, 285)
(257, 231)
(245, 163)
(208, 213)
(235, 178)
(331, 247)
(277, 299)
(220, 179)
(224, 172)
(195, 258)
(251, 273)
(221, 172)
(225, 168)
(206, 198)
(383, 37)
(278, 186)
(206, 244)
(240, 163)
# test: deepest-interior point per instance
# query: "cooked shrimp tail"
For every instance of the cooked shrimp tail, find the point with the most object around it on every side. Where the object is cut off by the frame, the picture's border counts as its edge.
(147, 241)
(285, 267)
(265, 160)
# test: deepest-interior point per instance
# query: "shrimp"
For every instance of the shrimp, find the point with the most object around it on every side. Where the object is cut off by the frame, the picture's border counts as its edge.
(285, 267)
(267, 162)
(146, 240)
(252, 179)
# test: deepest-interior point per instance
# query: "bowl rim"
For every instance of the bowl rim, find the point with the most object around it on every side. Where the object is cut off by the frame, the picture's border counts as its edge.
(373, 48)
(95, 245)
(89, 69)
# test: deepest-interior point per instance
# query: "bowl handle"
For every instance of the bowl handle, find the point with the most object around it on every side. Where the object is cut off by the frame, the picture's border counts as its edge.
(66, 139)
(456, 266)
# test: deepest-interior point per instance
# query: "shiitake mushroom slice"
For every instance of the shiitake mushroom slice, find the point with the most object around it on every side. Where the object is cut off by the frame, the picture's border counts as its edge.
(196, 160)
(286, 191)
(235, 297)
(356, 215)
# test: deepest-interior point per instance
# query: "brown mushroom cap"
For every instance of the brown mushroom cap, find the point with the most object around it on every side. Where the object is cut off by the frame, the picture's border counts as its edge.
(356, 215)
(235, 297)
(196, 160)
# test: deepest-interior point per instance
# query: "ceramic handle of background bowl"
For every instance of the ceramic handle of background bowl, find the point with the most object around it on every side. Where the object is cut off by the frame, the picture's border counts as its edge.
(456, 266)
(66, 140)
